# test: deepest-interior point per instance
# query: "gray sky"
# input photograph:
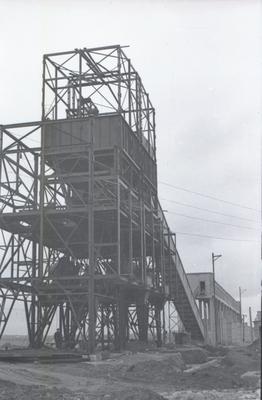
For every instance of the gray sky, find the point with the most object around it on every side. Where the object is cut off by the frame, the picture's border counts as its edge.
(200, 61)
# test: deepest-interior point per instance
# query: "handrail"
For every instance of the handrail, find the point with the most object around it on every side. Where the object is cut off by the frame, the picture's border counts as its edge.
(182, 274)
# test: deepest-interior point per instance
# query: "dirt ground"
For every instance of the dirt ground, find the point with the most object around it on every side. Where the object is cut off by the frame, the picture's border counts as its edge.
(171, 373)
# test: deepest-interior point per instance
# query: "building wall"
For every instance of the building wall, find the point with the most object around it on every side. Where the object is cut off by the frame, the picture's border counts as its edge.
(220, 314)
(227, 299)
(241, 333)
(194, 281)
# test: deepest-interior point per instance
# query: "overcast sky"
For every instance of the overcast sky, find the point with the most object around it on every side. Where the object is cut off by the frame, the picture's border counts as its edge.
(200, 61)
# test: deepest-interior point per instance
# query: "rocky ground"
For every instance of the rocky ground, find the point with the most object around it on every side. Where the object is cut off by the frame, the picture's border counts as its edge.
(185, 373)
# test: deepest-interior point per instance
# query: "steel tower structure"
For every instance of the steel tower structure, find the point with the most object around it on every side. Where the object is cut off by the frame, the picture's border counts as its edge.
(82, 232)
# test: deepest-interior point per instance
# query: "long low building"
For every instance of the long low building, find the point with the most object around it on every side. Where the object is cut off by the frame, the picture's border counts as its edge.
(220, 312)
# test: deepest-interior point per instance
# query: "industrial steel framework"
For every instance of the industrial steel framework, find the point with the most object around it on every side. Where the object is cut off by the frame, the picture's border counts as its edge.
(83, 235)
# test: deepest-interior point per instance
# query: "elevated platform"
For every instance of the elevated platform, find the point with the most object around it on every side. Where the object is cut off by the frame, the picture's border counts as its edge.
(87, 195)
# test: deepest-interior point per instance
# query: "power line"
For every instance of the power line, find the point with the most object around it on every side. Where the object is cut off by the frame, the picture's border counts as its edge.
(208, 210)
(210, 220)
(208, 196)
(218, 238)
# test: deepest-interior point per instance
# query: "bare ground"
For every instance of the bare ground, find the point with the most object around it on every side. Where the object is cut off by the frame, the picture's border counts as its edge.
(148, 375)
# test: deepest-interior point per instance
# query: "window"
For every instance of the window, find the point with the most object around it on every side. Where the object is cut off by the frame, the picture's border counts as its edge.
(202, 287)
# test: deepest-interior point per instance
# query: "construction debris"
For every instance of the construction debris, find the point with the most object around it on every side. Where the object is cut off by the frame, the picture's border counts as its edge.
(195, 355)
(252, 378)
(153, 374)
(42, 356)
(212, 363)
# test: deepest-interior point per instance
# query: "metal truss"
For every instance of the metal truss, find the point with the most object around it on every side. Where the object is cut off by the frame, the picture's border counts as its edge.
(83, 236)
(86, 82)
(174, 323)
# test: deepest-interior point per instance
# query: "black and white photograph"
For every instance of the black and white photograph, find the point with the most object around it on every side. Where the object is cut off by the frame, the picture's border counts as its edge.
(130, 199)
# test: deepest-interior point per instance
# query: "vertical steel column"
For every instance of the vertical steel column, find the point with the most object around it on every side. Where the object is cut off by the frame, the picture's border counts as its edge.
(39, 333)
(123, 318)
(130, 233)
(164, 324)
(1, 156)
(102, 326)
(42, 178)
(153, 247)
(129, 95)
(67, 321)
(118, 220)
(142, 237)
(136, 108)
(41, 230)
(13, 254)
(119, 108)
(147, 122)
(91, 250)
(80, 77)
(138, 105)
(142, 312)
(108, 326)
(169, 260)
(169, 322)
(115, 317)
(61, 319)
(34, 259)
(162, 263)
(154, 132)
(55, 115)
(158, 325)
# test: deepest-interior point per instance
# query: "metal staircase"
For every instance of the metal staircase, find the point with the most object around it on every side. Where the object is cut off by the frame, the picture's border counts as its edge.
(179, 289)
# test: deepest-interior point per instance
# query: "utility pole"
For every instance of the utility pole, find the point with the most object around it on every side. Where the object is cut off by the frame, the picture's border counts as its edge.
(251, 325)
(241, 317)
(214, 258)
(244, 316)
(240, 305)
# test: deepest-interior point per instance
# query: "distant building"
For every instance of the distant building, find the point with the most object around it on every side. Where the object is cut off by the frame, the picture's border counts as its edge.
(220, 312)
